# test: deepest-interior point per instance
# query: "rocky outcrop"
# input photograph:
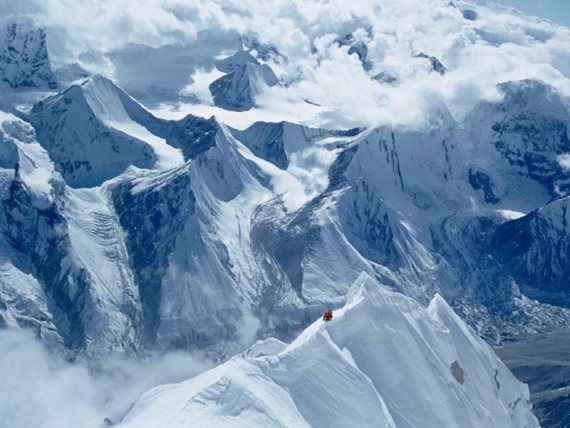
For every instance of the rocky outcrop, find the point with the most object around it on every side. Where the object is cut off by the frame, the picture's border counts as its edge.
(24, 60)
(436, 65)
(238, 89)
(88, 150)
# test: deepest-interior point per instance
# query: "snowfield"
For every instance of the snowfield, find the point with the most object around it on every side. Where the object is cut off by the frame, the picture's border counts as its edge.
(210, 176)
(383, 361)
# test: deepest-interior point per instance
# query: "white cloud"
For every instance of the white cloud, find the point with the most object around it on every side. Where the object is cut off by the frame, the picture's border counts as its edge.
(564, 161)
(41, 390)
(199, 88)
(500, 45)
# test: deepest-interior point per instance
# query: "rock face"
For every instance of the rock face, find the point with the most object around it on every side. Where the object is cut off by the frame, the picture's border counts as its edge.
(238, 89)
(469, 14)
(435, 63)
(41, 236)
(9, 155)
(357, 47)
(529, 128)
(277, 142)
(192, 135)
(541, 361)
(362, 368)
(128, 231)
(81, 130)
(64, 272)
(385, 77)
(24, 60)
(235, 61)
(153, 217)
(535, 249)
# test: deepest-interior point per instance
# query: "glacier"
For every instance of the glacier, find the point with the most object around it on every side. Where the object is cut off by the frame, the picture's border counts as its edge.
(268, 207)
(203, 191)
(383, 361)
(24, 59)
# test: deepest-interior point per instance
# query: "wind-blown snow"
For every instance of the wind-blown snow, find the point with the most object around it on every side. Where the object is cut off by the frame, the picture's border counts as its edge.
(121, 230)
(103, 99)
(564, 161)
(307, 173)
(382, 361)
(511, 215)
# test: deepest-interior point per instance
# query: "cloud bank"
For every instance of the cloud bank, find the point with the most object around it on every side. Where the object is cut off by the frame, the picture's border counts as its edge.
(41, 390)
(490, 45)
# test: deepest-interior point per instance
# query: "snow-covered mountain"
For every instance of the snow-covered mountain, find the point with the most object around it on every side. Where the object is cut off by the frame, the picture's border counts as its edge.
(24, 59)
(266, 181)
(383, 361)
(48, 282)
(81, 129)
(238, 89)
(235, 61)
(257, 215)
(534, 250)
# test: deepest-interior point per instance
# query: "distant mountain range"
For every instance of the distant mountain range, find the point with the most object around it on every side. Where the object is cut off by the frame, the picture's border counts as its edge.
(124, 231)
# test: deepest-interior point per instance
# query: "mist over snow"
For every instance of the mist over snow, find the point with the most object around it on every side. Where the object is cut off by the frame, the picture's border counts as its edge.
(209, 176)
(42, 390)
(498, 44)
(564, 161)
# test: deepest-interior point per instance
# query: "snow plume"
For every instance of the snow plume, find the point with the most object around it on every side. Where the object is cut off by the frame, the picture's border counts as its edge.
(564, 161)
(248, 329)
(41, 390)
(317, 62)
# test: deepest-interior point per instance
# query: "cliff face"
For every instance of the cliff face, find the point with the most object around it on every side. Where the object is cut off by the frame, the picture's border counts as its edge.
(136, 231)
(24, 59)
(373, 365)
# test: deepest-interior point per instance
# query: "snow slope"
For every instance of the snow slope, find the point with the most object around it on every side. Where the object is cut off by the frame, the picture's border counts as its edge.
(238, 89)
(257, 216)
(383, 361)
(124, 231)
(207, 231)
(24, 59)
(193, 227)
(64, 269)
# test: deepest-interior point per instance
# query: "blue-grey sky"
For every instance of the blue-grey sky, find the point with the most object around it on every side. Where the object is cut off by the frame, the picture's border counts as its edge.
(555, 10)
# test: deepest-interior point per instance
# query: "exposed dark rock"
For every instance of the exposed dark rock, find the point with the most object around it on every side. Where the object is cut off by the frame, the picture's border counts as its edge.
(469, 14)
(356, 47)
(41, 236)
(234, 62)
(152, 219)
(24, 60)
(535, 250)
(385, 77)
(193, 135)
(457, 372)
(436, 65)
(481, 181)
(237, 90)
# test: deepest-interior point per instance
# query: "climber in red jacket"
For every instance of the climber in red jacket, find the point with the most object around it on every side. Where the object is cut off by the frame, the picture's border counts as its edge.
(328, 315)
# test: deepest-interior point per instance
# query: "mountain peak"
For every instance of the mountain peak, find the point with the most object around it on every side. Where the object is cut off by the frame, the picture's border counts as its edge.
(435, 63)
(373, 365)
(24, 59)
(238, 89)
(105, 132)
(235, 61)
(534, 96)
